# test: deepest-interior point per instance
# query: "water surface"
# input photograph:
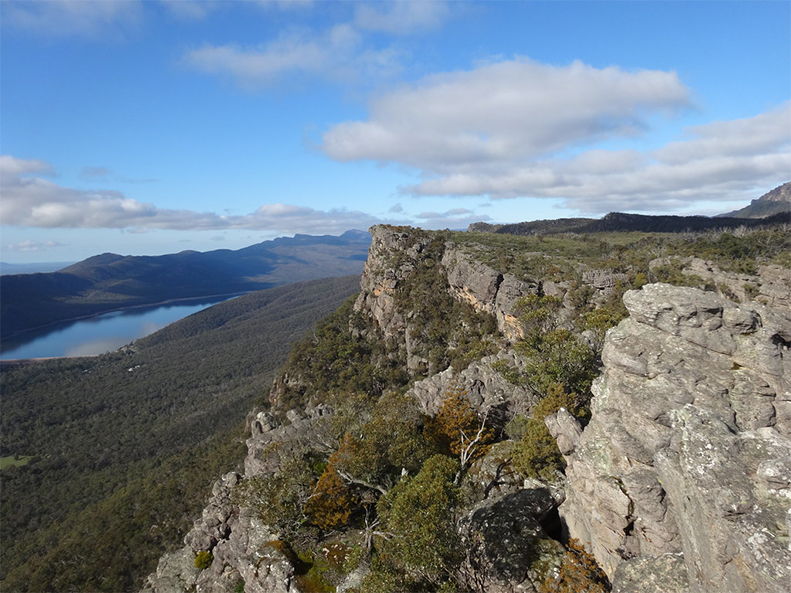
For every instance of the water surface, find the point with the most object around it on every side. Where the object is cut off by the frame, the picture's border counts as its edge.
(102, 333)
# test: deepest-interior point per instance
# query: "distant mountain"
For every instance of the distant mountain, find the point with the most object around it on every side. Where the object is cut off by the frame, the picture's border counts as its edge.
(619, 221)
(34, 268)
(110, 281)
(776, 201)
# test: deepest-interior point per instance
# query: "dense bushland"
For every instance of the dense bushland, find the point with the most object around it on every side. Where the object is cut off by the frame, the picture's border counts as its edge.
(126, 445)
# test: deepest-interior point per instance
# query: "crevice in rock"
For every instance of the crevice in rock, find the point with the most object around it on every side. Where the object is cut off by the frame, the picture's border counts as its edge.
(552, 524)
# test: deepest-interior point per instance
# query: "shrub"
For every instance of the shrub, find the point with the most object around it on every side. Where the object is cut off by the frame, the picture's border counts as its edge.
(536, 455)
(418, 512)
(331, 503)
(279, 497)
(456, 427)
(203, 559)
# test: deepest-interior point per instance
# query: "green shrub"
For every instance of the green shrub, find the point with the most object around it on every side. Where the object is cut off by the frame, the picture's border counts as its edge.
(419, 513)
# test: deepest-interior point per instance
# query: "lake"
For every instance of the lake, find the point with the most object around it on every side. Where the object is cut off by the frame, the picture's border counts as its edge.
(102, 333)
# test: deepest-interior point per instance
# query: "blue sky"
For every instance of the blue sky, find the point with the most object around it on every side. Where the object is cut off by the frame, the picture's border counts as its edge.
(147, 127)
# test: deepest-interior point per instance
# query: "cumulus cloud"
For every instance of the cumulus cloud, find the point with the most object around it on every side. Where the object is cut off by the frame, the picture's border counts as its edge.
(29, 200)
(60, 18)
(710, 164)
(505, 130)
(508, 111)
(401, 17)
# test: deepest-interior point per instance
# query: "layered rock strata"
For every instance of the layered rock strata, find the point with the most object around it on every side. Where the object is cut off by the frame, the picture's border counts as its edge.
(688, 450)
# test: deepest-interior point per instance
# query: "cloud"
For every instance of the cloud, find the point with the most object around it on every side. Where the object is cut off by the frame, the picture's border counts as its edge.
(93, 172)
(35, 202)
(401, 17)
(396, 208)
(12, 166)
(63, 18)
(455, 218)
(711, 164)
(337, 54)
(29, 245)
(507, 130)
(505, 112)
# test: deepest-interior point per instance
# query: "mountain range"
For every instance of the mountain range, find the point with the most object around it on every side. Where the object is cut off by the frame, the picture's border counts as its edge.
(110, 281)
(774, 207)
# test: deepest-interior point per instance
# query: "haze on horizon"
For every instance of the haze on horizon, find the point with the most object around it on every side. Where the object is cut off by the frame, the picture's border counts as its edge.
(154, 126)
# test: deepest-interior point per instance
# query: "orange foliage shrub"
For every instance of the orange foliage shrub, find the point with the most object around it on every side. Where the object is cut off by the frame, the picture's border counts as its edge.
(331, 503)
(457, 424)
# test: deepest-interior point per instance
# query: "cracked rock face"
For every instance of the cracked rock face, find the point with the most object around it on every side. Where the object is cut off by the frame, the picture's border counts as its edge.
(688, 448)
(242, 550)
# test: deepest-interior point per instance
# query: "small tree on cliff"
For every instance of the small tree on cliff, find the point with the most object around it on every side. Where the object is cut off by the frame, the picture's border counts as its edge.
(458, 431)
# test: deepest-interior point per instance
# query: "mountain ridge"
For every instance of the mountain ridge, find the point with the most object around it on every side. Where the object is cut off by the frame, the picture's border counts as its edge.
(772, 202)
(109, 281)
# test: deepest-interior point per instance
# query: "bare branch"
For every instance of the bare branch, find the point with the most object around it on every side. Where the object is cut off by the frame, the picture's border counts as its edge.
(353, 480)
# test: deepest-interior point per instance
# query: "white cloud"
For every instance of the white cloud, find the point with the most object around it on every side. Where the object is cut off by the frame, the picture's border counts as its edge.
(504, 130)
(710, 165)
(60, 18)
(401, 17)
(505, 112)
(35, 202)
(455, 218)
(11, 167)
(28, 245)
(338, 54)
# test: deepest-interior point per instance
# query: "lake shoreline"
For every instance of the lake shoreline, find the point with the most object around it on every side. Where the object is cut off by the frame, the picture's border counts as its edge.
(21, 333)
(41, 344)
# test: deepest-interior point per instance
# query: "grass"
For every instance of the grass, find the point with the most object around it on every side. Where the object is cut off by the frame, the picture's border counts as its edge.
(14, 460)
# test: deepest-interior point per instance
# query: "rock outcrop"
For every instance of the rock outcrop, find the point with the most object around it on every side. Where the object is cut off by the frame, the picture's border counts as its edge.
(243, 548)
(688, 451)
(769, 285)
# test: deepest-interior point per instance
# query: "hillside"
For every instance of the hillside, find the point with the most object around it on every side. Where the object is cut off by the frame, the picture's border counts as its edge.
(110, 282)
(777, 201)
(452, 428)
(643, 223)
(118, 451)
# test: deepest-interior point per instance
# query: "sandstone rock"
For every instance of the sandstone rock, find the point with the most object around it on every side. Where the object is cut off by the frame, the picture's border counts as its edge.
(485, 388)
(733, 530)
(688, 445)
(771, 284)
(176, 573)
(565, 429)
(265, 448)
(652, 574)
(505, 539)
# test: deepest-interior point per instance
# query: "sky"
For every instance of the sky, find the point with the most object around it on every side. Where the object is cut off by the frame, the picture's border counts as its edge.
(144, 127)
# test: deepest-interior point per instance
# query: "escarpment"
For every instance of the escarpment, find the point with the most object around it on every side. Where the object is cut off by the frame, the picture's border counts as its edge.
(688, 451)
(438, 377)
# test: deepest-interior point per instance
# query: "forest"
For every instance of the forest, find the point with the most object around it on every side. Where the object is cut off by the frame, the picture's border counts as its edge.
(122, 448)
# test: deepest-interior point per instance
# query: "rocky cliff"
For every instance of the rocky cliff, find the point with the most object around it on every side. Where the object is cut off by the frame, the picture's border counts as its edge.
(679, 482)
(687, 453)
